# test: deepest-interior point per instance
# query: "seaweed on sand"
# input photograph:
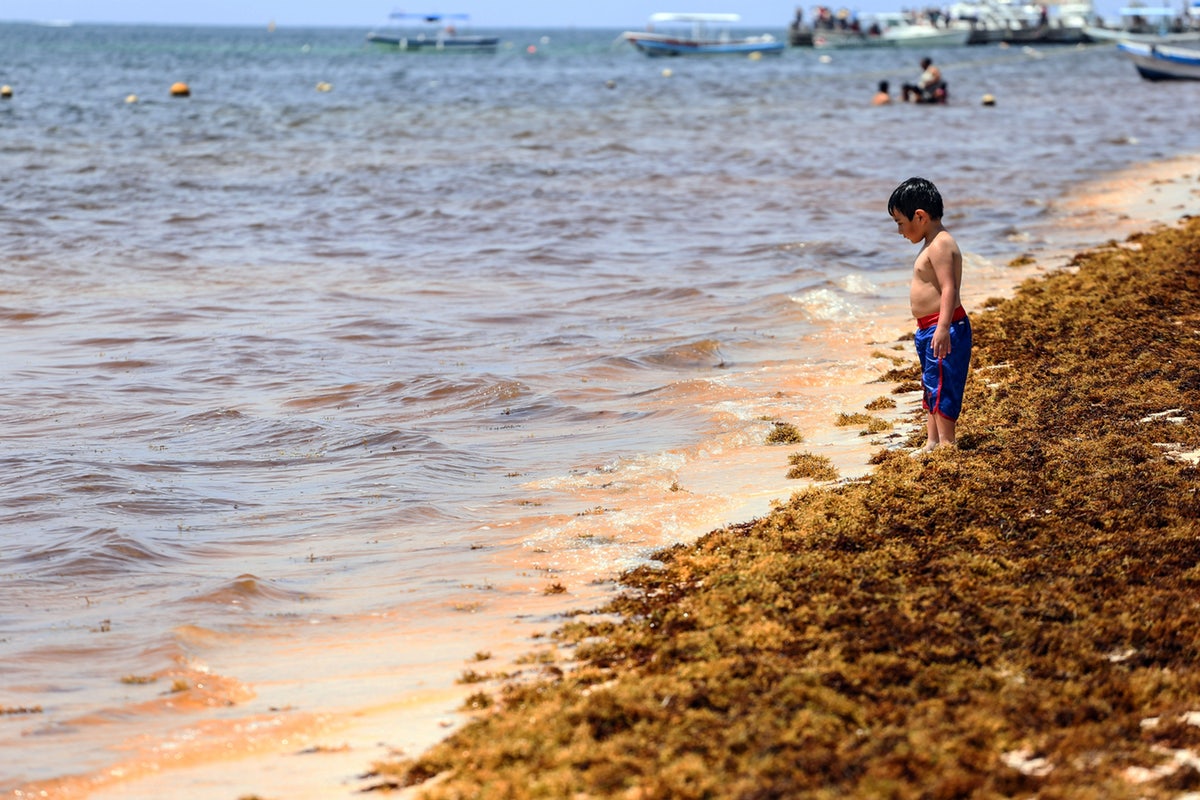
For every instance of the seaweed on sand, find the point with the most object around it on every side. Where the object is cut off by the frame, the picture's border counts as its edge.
(810, 465)
(1016, 618)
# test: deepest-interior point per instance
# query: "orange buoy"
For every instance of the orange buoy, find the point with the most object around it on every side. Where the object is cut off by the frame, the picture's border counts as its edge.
(6, 91)
(180, 89)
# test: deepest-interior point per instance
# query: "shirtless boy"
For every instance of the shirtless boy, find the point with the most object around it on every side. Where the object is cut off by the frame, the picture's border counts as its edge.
(943, 335)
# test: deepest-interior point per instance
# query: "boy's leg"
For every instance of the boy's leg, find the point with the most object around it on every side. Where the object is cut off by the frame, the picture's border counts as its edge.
(949, 375)
(944, 430)
(931, 441)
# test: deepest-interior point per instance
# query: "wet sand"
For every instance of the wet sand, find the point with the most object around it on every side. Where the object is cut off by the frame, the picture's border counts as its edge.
(300, 757)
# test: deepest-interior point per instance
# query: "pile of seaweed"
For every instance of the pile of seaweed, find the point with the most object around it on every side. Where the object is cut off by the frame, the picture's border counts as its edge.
(1018, 617)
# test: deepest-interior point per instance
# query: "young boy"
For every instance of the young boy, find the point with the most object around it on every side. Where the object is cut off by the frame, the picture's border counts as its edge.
(882, 97)
(943, 335)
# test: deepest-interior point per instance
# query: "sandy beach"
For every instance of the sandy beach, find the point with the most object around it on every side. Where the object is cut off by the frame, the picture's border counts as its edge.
(1009, 619)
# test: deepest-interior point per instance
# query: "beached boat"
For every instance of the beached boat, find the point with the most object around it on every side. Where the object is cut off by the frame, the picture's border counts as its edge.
(1157, 62)
(692, 37)
(889, 29)
(437, 34)
(1149, 24)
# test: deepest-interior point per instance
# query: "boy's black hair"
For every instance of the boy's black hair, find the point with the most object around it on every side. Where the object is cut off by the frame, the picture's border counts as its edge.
(883, 86)
(916, 193)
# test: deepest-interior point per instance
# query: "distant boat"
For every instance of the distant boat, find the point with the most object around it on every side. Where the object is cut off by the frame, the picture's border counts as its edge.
(1156, 62)
(889, 29)
(438, 34)
(695, 39)
(1149, 24)
(1022, 23)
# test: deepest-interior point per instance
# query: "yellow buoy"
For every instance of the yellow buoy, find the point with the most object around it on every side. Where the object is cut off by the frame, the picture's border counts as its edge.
(6, 91)
(324, 87)
(756, 56)
(666, 73)
(989, 100)
(180, 89)
(131, 98)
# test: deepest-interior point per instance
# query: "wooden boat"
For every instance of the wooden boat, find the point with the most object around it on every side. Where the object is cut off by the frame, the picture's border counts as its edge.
(1157, 62)
(695, 40)
(438, 35)
(889, 30)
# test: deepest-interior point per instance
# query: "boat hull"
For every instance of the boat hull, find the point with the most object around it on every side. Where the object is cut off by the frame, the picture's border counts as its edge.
(1117, 35)
(432, 44)
(1160, 63)
(664, 46)
(1028, 36)
(937, 38)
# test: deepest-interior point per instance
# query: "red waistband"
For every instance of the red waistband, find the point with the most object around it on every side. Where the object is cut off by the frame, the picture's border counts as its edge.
(929, 320)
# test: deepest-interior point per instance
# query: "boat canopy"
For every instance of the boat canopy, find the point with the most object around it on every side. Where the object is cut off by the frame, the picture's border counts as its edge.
(666, 16)
(428, 17)
(1146, 11)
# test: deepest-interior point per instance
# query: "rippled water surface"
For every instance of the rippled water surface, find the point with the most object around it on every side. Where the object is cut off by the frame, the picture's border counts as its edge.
(308, 395)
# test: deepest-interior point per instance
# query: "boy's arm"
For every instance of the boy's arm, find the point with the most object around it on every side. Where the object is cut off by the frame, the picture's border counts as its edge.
(941, 258)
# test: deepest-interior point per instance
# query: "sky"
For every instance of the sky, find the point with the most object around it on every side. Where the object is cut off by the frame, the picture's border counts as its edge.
(622, 14)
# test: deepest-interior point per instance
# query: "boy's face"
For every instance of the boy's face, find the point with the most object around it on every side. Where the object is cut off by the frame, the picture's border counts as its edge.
(911, 229)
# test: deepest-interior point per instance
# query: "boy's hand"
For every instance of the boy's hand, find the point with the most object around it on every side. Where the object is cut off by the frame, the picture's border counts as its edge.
(941, 342)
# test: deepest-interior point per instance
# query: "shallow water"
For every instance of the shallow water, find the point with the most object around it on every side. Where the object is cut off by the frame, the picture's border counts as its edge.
(309, 397)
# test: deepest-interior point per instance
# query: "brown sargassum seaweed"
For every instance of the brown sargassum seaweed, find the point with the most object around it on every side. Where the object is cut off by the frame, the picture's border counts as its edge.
(1017, 618)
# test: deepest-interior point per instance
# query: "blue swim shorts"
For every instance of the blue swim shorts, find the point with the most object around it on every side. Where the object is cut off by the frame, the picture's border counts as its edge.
(944, 379)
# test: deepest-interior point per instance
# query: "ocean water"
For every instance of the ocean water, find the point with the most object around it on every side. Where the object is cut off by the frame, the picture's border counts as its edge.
(313, 400)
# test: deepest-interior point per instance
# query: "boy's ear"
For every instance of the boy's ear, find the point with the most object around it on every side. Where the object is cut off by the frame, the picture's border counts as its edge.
(920, 215)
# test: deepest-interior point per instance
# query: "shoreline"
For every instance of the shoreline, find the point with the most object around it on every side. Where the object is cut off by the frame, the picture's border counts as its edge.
(371, 726)
(1131, 201)
(998, 672)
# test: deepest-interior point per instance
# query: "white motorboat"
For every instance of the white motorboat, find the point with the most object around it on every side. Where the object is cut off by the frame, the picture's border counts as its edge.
(437, 34)
(1149, 24)
(890, 29)
(692, 37)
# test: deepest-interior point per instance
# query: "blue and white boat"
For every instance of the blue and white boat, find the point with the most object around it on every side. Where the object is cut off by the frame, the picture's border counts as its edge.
(1157, 62)
(693, 38)
(437, 33)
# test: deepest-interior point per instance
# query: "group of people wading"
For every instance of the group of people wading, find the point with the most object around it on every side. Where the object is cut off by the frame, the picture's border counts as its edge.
(929, 88)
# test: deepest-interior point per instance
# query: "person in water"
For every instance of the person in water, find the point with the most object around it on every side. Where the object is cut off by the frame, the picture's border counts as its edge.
(929, 88)
(943, 337)
(881, 98)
